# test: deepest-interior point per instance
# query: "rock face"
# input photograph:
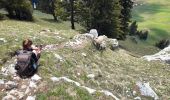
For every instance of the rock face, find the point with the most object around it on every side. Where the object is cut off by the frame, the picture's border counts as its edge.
(163, 55)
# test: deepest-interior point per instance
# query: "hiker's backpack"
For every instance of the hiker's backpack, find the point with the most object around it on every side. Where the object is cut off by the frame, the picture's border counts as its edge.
(24, 65)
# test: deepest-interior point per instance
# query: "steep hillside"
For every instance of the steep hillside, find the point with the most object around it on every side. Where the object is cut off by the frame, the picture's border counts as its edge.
(73, 69)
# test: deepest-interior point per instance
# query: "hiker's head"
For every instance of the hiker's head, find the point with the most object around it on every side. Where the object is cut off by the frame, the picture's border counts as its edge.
(27, 44)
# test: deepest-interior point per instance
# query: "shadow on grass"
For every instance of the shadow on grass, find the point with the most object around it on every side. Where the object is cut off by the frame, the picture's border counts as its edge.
(50, 20)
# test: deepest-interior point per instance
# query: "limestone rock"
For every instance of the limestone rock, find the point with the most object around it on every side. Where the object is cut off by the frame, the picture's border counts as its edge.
(146, 90)
(94, 33)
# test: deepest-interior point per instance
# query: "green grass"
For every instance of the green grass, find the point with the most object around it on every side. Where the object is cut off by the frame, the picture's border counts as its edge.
(116, 71)
(153, 15)
(16, 31)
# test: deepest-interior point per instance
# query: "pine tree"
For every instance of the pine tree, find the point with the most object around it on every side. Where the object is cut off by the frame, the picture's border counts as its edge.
(105, 17)
(19, 9)
(127, 6)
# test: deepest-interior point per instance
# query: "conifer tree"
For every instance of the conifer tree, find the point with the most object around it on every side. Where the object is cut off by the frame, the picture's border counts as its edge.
(127, 6)
(105, 17)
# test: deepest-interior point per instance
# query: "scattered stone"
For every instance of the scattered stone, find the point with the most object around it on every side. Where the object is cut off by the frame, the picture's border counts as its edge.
(45, 31)
(109, 94)
(83, 54)
(3, 40)
(31, 98)
(114, 43)
(137, 98)
(94, 33)
(17, 78)
(10, 85)
(9, 97)
(146, 90)
(55, 79)
(23, 87)
(36, 78)
(70, 81)
(16, 93)
(11, 69)
(58, 57)
(89, 89)
(27, 90)
(91, 76)
(32, 84)
(134, 93)
(2, 82)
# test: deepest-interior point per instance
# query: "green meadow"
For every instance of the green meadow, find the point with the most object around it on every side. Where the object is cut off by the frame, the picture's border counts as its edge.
(153, 15)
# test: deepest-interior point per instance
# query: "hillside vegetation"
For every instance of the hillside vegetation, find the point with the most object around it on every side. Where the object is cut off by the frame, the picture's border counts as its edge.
(114, 71)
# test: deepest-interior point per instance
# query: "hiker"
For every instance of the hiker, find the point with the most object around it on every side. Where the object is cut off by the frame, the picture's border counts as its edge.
(27, 59)
(28, 46)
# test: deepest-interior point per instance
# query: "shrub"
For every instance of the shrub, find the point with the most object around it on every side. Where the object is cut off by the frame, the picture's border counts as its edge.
(19, 9)
(1, 16)
(162, 43)
(143, 35)
(133, 29)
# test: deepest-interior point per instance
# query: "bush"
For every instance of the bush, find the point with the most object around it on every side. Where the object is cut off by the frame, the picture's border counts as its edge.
(1, 16)
(133, 29)
(19, 9)
(143, 35)
(163, 43)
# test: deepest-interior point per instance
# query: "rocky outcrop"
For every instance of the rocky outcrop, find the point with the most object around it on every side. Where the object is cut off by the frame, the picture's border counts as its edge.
(163, 55)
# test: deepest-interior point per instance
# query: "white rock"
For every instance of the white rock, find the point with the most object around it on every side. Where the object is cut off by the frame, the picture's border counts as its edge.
(83, 54)
(163, 55)
(20, 95)
(109, 94)
(58, 57)
(36, 78)
(94, 33)
(27, 90)
(137, 98)
(3, 40)
(146, 90)
(89, 35)
(91, 76)
(2, 82)
(115, 42)
(55, 79)
(23, 87)
(89, 89)
(32, 84)
(31, 98)
(11, 69)
(70, 81)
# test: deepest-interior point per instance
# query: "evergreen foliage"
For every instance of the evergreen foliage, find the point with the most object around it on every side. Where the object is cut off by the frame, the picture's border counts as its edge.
(19, 9)
(133, 28)
(58, 8)
(125, 16)
(162, 43)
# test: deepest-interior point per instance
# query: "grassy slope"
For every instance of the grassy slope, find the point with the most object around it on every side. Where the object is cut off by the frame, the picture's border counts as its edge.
(115, 71)
(154, 15)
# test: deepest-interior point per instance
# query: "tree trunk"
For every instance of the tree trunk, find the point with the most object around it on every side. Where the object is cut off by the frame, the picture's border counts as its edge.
(72, 14)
